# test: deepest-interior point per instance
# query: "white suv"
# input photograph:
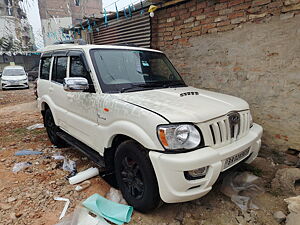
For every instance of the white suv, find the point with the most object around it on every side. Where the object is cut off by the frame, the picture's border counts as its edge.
(130, 111)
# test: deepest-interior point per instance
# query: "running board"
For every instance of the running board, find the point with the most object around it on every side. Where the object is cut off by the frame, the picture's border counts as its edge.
(89, 152)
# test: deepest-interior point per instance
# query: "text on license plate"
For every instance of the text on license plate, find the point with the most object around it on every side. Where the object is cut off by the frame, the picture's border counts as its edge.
(235, 158)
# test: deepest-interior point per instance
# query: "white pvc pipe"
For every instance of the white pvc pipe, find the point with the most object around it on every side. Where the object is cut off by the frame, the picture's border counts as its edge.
(84, 175)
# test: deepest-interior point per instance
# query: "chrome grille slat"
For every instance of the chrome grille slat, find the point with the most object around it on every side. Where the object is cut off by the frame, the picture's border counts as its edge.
(217, 133)
(223, 130)
(220, 130)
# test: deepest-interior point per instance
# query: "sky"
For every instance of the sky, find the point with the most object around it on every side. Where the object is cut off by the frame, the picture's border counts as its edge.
(31, 8)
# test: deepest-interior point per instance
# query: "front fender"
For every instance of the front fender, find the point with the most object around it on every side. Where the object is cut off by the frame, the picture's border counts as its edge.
(147, 139)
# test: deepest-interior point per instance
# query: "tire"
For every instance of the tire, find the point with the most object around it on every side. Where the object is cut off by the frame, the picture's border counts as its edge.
(52, 130)
(136, 177)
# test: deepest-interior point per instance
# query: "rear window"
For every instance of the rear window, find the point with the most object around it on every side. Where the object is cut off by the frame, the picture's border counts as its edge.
(45, 68)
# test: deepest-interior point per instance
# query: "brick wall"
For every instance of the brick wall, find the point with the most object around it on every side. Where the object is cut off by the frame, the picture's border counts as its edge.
(246, 48)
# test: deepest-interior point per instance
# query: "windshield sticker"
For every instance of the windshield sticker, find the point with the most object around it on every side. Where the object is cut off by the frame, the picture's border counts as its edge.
(145, 63)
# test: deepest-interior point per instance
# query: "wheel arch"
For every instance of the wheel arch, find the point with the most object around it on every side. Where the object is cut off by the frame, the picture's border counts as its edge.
(109, 153)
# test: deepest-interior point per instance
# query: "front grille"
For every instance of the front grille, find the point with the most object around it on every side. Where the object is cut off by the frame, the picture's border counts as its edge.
(222, 132)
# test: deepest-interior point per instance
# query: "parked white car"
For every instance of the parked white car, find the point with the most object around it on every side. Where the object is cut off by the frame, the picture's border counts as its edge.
(129, 110)
(14, 77)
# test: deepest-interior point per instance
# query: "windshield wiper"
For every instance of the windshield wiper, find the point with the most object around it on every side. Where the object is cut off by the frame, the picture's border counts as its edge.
(149, 86)
(135, 87)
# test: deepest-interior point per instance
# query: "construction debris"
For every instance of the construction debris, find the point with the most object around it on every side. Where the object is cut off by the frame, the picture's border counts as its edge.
(84, 175)
(294, 207)
(65, 207)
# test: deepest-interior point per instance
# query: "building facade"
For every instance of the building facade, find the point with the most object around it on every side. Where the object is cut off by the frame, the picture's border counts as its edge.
(15, 31)
(58, 14)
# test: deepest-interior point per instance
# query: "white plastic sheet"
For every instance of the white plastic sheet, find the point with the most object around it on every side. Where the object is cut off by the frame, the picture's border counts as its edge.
(242, 188)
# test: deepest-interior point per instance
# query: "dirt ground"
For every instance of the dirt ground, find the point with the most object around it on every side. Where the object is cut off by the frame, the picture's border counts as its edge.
(26, 197)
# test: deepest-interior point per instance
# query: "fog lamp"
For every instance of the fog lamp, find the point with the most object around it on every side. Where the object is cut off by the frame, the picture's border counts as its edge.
(196, 174)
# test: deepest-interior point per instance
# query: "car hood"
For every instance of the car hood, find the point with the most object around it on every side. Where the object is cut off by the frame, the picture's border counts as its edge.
(185, 104)
(21, 77)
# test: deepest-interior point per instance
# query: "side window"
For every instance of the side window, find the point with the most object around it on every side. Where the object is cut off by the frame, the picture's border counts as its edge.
(77, 68)
(59, 69)
(45, 68)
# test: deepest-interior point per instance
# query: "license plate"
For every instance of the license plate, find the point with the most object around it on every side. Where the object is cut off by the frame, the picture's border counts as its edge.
(234, 159)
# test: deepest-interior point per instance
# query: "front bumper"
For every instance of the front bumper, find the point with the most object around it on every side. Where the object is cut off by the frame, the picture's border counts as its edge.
(14, 84)
(169, 168)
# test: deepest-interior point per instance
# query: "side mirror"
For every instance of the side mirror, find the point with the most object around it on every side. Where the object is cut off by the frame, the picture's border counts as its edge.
(75, 84)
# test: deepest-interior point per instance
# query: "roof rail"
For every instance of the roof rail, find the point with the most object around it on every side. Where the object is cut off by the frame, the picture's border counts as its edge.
(76, 41)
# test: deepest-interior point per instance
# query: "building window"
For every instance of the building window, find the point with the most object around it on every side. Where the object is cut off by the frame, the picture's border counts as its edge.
(77, 2)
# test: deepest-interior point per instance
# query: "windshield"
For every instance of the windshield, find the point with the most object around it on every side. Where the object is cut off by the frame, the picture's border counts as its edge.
(13, 72)
(131, 70)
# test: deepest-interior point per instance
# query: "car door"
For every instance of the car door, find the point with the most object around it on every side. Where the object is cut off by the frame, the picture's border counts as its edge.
(82, 115)
(56, 92)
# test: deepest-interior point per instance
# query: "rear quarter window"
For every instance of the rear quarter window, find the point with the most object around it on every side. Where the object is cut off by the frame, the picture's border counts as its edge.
(45, 68)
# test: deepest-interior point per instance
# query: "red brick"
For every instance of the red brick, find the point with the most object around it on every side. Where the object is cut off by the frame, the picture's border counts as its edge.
(184, 16)
(213, 30)
(209, 26)
(178, 22)
(275, 4)
(206, 21)
(170, 24)
(260, 2)
(190, 4)
(182, 11)
(223, 23)
(176, 33)
(242, 7)
(196, 28)
(160, 43)
(192, 9)
(221, 6)
(174, 13)
(255, 9)
(170, 28)
(209, 9)
(168, 38)
(212, 14)
(226, 28)
(179, 27)
(235, 2)
(201, 5)
(197, 12)
(236, 15)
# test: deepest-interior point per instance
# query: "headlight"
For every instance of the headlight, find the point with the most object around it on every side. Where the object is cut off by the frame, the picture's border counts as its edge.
(250, 120)
(179, 136)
